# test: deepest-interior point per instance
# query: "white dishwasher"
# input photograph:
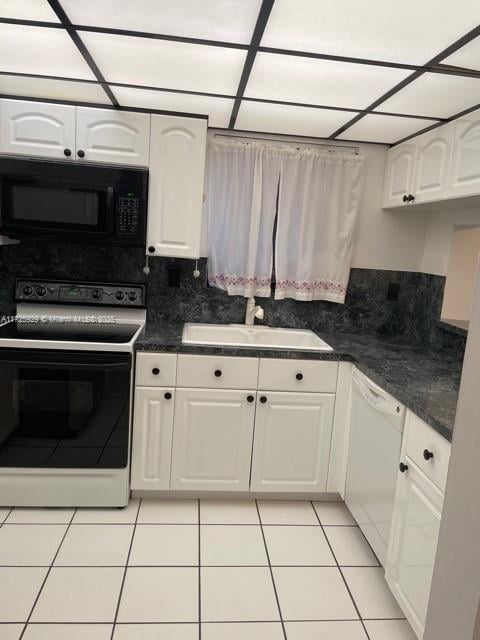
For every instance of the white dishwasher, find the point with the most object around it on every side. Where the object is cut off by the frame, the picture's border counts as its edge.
(374, 452)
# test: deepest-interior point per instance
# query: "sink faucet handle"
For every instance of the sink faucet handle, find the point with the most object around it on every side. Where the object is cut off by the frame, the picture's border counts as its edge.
(259, 313)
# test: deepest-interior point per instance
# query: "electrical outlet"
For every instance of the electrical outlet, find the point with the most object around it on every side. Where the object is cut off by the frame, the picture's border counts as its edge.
(393, 291)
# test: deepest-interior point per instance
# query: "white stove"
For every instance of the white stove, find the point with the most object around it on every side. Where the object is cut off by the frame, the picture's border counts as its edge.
(66, 380)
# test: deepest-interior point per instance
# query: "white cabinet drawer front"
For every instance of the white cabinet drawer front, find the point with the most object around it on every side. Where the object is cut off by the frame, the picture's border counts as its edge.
(212, 442)
(421, 441)
(292, 441)
(217, 372)
(152, 438)
(156, 369)
(298, 375)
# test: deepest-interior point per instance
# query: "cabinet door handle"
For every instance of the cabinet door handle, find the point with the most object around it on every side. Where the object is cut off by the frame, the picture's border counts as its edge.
(250, 398)
(428, 455)
(299, 376)
(81, 153)
(168, 396)
(405, 198)
(403, 467)
(155, 371)
(218, 373)
(263, 399)
(67, 152)
(151, 249)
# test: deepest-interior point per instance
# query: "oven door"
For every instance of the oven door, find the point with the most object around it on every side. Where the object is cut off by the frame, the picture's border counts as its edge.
(47, 206)
(64, 409)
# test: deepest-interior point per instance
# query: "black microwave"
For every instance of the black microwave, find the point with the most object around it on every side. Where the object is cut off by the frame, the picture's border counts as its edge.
(89, 203)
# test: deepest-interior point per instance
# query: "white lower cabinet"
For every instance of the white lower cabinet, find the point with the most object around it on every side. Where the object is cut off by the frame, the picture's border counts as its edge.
(413, 543)
(212, 440)
(152, 438)
(292, 441)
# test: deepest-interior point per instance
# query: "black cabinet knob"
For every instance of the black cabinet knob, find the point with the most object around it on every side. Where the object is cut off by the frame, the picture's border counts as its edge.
(263, 399)
(168, 396)
(250, 398)
(81, 153)
(299, 376)
(405, 198)
(410, 197)
(218, 373)
(151, 249)
(67, 152)
(428, 455)
(403, 467)
(155, 371)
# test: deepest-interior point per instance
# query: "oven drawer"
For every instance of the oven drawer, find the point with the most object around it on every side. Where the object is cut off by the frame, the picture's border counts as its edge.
(297, 375)
(217, 372)
(156, 370)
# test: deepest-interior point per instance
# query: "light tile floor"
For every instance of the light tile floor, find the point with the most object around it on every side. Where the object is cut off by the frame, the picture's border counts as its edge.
(172, 570)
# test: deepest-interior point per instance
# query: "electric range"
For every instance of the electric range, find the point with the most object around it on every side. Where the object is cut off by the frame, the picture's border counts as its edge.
(66, 380)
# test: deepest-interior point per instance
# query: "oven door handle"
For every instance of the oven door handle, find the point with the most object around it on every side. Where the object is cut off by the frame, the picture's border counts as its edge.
(97, 366)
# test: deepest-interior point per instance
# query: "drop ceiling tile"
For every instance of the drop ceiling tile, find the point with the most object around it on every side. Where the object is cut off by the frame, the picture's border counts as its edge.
(435, 95)
(468, 56)
(27, 10)
(43, 51)
(217, 109)
(52, 89)
(280, 118)
(226, 20)
(170, 65)
(323, 82)
(387, 129)
(409, 31)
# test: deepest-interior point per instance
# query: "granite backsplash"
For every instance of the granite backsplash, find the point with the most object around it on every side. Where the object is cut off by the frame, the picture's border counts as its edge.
(173, 295)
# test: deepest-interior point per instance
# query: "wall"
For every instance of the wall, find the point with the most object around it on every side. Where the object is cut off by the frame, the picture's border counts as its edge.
(461, 273)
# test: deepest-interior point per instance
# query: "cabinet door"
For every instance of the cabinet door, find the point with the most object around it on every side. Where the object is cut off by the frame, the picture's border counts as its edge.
(413, 543)
(177, 167)
(399, 174)
(212, 441)
(152, 438)
(37, 129)
(464, 176)
(433, 161)
(119, 137)
(292, 441)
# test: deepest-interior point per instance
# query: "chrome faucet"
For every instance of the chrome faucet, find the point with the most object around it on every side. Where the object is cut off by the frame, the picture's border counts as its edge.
(252, 311)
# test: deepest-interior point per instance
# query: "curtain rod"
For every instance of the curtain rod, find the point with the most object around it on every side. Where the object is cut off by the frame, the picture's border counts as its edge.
(314, 144)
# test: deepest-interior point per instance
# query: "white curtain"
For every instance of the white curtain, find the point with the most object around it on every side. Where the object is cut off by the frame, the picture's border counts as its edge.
(319, 195)
(242, 183)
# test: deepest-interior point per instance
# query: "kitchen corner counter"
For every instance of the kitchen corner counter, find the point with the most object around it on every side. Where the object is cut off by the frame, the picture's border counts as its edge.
(425, 381)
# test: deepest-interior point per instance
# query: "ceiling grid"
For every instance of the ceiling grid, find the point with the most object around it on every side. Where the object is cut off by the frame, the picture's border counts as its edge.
(272, 66)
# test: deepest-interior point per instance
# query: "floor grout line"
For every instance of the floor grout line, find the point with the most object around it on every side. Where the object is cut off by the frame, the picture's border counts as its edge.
(199, 574)
(271, 572)
(341, 573)
(47, 574)
(125, 571)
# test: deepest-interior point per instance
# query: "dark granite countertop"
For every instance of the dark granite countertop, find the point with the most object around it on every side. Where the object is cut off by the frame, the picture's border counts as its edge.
(425, 381)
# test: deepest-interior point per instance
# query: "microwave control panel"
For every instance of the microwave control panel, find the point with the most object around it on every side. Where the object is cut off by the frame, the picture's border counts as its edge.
(128, 211)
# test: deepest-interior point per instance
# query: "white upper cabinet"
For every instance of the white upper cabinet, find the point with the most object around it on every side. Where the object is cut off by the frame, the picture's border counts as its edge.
(432, 164)
(292, 441)
(37, 129)
(399, 175)
(117, 137)
(464, 176)
(177, 167)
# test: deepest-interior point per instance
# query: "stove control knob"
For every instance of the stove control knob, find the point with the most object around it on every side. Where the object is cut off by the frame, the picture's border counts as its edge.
(119, 295)
(96, 294)
(40, 291)
(132, 296)
(27, 290)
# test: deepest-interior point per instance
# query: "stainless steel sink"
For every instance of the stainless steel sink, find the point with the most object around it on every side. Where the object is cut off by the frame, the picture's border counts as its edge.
(256, 337)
